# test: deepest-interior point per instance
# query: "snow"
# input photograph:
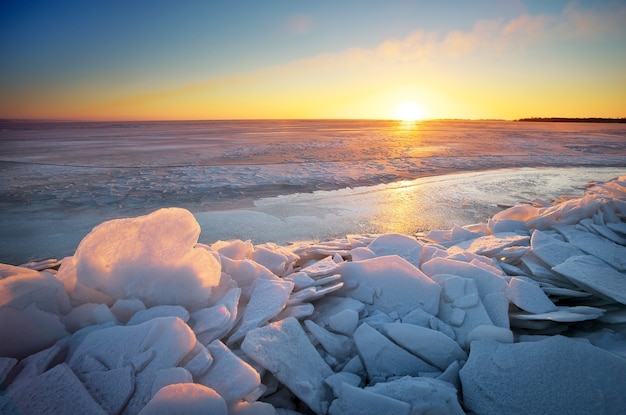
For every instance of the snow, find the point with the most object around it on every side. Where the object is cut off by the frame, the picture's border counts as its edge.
(185, 398)
(494, 317)
(151, 258)
(526, 376)
(390, 283)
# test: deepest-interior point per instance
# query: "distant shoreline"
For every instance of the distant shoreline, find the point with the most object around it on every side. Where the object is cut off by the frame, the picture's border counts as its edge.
(565, 119)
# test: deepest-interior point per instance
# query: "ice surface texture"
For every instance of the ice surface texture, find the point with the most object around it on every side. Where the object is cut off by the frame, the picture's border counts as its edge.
(523, 314)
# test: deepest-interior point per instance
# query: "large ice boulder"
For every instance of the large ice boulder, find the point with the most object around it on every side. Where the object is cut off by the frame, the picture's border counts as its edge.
(152, 258)
(557, 375)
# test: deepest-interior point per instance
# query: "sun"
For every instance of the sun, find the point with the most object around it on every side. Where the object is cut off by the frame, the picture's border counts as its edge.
(409, 112)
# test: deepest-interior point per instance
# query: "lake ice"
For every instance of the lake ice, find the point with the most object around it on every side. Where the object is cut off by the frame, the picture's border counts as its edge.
(500, 315)
(59, 180)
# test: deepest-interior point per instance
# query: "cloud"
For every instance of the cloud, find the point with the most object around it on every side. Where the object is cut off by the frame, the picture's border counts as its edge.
(579, 23)
(300, 24)
(419, 55)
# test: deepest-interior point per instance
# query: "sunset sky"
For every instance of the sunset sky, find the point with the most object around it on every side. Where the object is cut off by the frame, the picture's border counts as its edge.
(122, 60)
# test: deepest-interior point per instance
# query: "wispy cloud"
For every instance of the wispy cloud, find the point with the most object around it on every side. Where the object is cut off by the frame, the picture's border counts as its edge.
(300, 24)
(411, 54)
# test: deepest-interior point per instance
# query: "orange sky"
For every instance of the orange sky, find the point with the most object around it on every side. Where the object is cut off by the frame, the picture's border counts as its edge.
(505, 60)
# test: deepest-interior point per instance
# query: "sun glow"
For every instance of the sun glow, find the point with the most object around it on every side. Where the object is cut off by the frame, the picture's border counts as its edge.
(409, 112)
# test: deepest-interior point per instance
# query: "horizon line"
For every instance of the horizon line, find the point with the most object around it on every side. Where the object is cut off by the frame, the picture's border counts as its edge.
(538, 119)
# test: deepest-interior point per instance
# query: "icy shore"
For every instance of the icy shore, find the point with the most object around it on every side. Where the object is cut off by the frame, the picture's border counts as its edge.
(523, 314)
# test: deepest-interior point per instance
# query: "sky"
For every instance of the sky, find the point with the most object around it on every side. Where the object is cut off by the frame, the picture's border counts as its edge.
(164, 60)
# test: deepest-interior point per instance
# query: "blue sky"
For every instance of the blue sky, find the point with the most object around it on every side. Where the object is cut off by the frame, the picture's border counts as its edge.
(77, 59)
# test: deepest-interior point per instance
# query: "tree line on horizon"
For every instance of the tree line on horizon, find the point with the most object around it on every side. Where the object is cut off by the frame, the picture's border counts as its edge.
(569, 119)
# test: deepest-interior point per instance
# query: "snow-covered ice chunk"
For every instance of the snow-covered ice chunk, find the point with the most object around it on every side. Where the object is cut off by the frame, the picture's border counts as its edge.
(425, 395)
(337, 379)
(344, 322)
(235, 249)
(148, 347)
(595, 245)
(159, 311)
(186, 398)
(151, 258)
(252, 408)
(383, 358)
(322, 267)
(357, 401)
(489, 332)
(523, 213)
(111, 388)
(506, 225)
(123, 310)
(529, 297)
(337, 345)
(244, 272)
(34, 365)
(198, 361)
(490, 245)
(272, 259)
(212, 323)
(486, 282)
(524, 378)
(550, 250)
(296, 311)
(460, 306)
(562, 314)
(300, 280)
(56, 391)
(432, 346)
(29, 330)
(230, 376)
(396, 244)
(390, 283)
(284, 349)
(361, 253)
(594, 275)
(331, 305)
(21, 287)
(314, 293)
(268, 299)
(170, 376)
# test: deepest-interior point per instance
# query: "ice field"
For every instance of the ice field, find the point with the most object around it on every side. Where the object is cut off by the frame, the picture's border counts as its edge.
(59, 180)
(496, 285)
(491, 318)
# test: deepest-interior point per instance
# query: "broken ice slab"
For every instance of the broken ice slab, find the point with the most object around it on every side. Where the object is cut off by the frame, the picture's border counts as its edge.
(56, 391)
(550, 250)
(594, 275)
(432, 346)
(492, 244)
(529, 297)
(595, 245)
(399, 285)
(268, 299)
(384, 359)
(230, 376)
(357, 401)
(562, 314)
(285, 350)
(425, 395)
(594, 378)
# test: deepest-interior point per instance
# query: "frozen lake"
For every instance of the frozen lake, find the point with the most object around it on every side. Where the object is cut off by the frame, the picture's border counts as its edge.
(280, 181)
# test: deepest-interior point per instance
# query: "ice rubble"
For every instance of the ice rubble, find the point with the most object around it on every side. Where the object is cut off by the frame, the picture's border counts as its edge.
(502, 317)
